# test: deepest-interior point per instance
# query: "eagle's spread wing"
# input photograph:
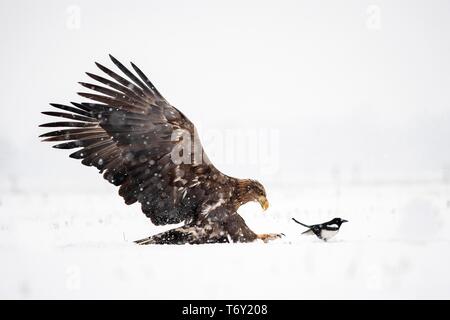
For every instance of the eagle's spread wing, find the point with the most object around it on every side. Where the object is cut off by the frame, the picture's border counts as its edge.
(128, 134)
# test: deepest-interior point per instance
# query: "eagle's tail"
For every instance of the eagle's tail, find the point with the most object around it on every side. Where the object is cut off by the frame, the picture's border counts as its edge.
(301, 223)
(179, 235)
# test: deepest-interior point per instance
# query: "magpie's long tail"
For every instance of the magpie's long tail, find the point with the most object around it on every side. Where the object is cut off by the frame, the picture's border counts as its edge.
(301, 223)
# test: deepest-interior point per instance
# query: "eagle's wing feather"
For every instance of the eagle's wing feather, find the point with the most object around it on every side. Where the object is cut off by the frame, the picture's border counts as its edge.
(128, 134)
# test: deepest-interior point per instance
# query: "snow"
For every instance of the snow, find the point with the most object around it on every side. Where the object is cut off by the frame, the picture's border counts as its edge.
(79, 245)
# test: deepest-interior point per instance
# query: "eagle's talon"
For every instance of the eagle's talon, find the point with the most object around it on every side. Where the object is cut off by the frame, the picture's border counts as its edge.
(266, 237)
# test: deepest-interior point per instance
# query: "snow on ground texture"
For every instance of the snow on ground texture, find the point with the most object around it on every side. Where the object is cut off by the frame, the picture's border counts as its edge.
(396, 245)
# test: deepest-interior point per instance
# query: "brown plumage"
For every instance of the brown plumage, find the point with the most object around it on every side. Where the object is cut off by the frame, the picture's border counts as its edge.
(151, 150)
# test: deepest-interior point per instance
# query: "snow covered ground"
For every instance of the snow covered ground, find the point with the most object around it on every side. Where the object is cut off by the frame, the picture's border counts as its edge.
(69, 245)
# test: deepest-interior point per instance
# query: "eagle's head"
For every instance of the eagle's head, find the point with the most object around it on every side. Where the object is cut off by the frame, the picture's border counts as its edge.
(251, 190)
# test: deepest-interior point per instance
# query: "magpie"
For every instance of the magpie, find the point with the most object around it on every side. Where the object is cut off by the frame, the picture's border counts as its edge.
(323, 231)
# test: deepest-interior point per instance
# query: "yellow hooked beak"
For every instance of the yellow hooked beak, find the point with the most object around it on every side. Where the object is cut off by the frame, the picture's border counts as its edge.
(263, 202)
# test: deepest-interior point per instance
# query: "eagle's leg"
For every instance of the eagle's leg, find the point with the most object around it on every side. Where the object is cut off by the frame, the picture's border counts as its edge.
(240, 232)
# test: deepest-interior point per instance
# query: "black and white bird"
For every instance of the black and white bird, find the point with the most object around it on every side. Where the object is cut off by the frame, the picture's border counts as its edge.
(323, 231)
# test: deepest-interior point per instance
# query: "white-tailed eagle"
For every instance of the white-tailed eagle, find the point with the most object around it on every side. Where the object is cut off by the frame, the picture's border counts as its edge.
(146, 146)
